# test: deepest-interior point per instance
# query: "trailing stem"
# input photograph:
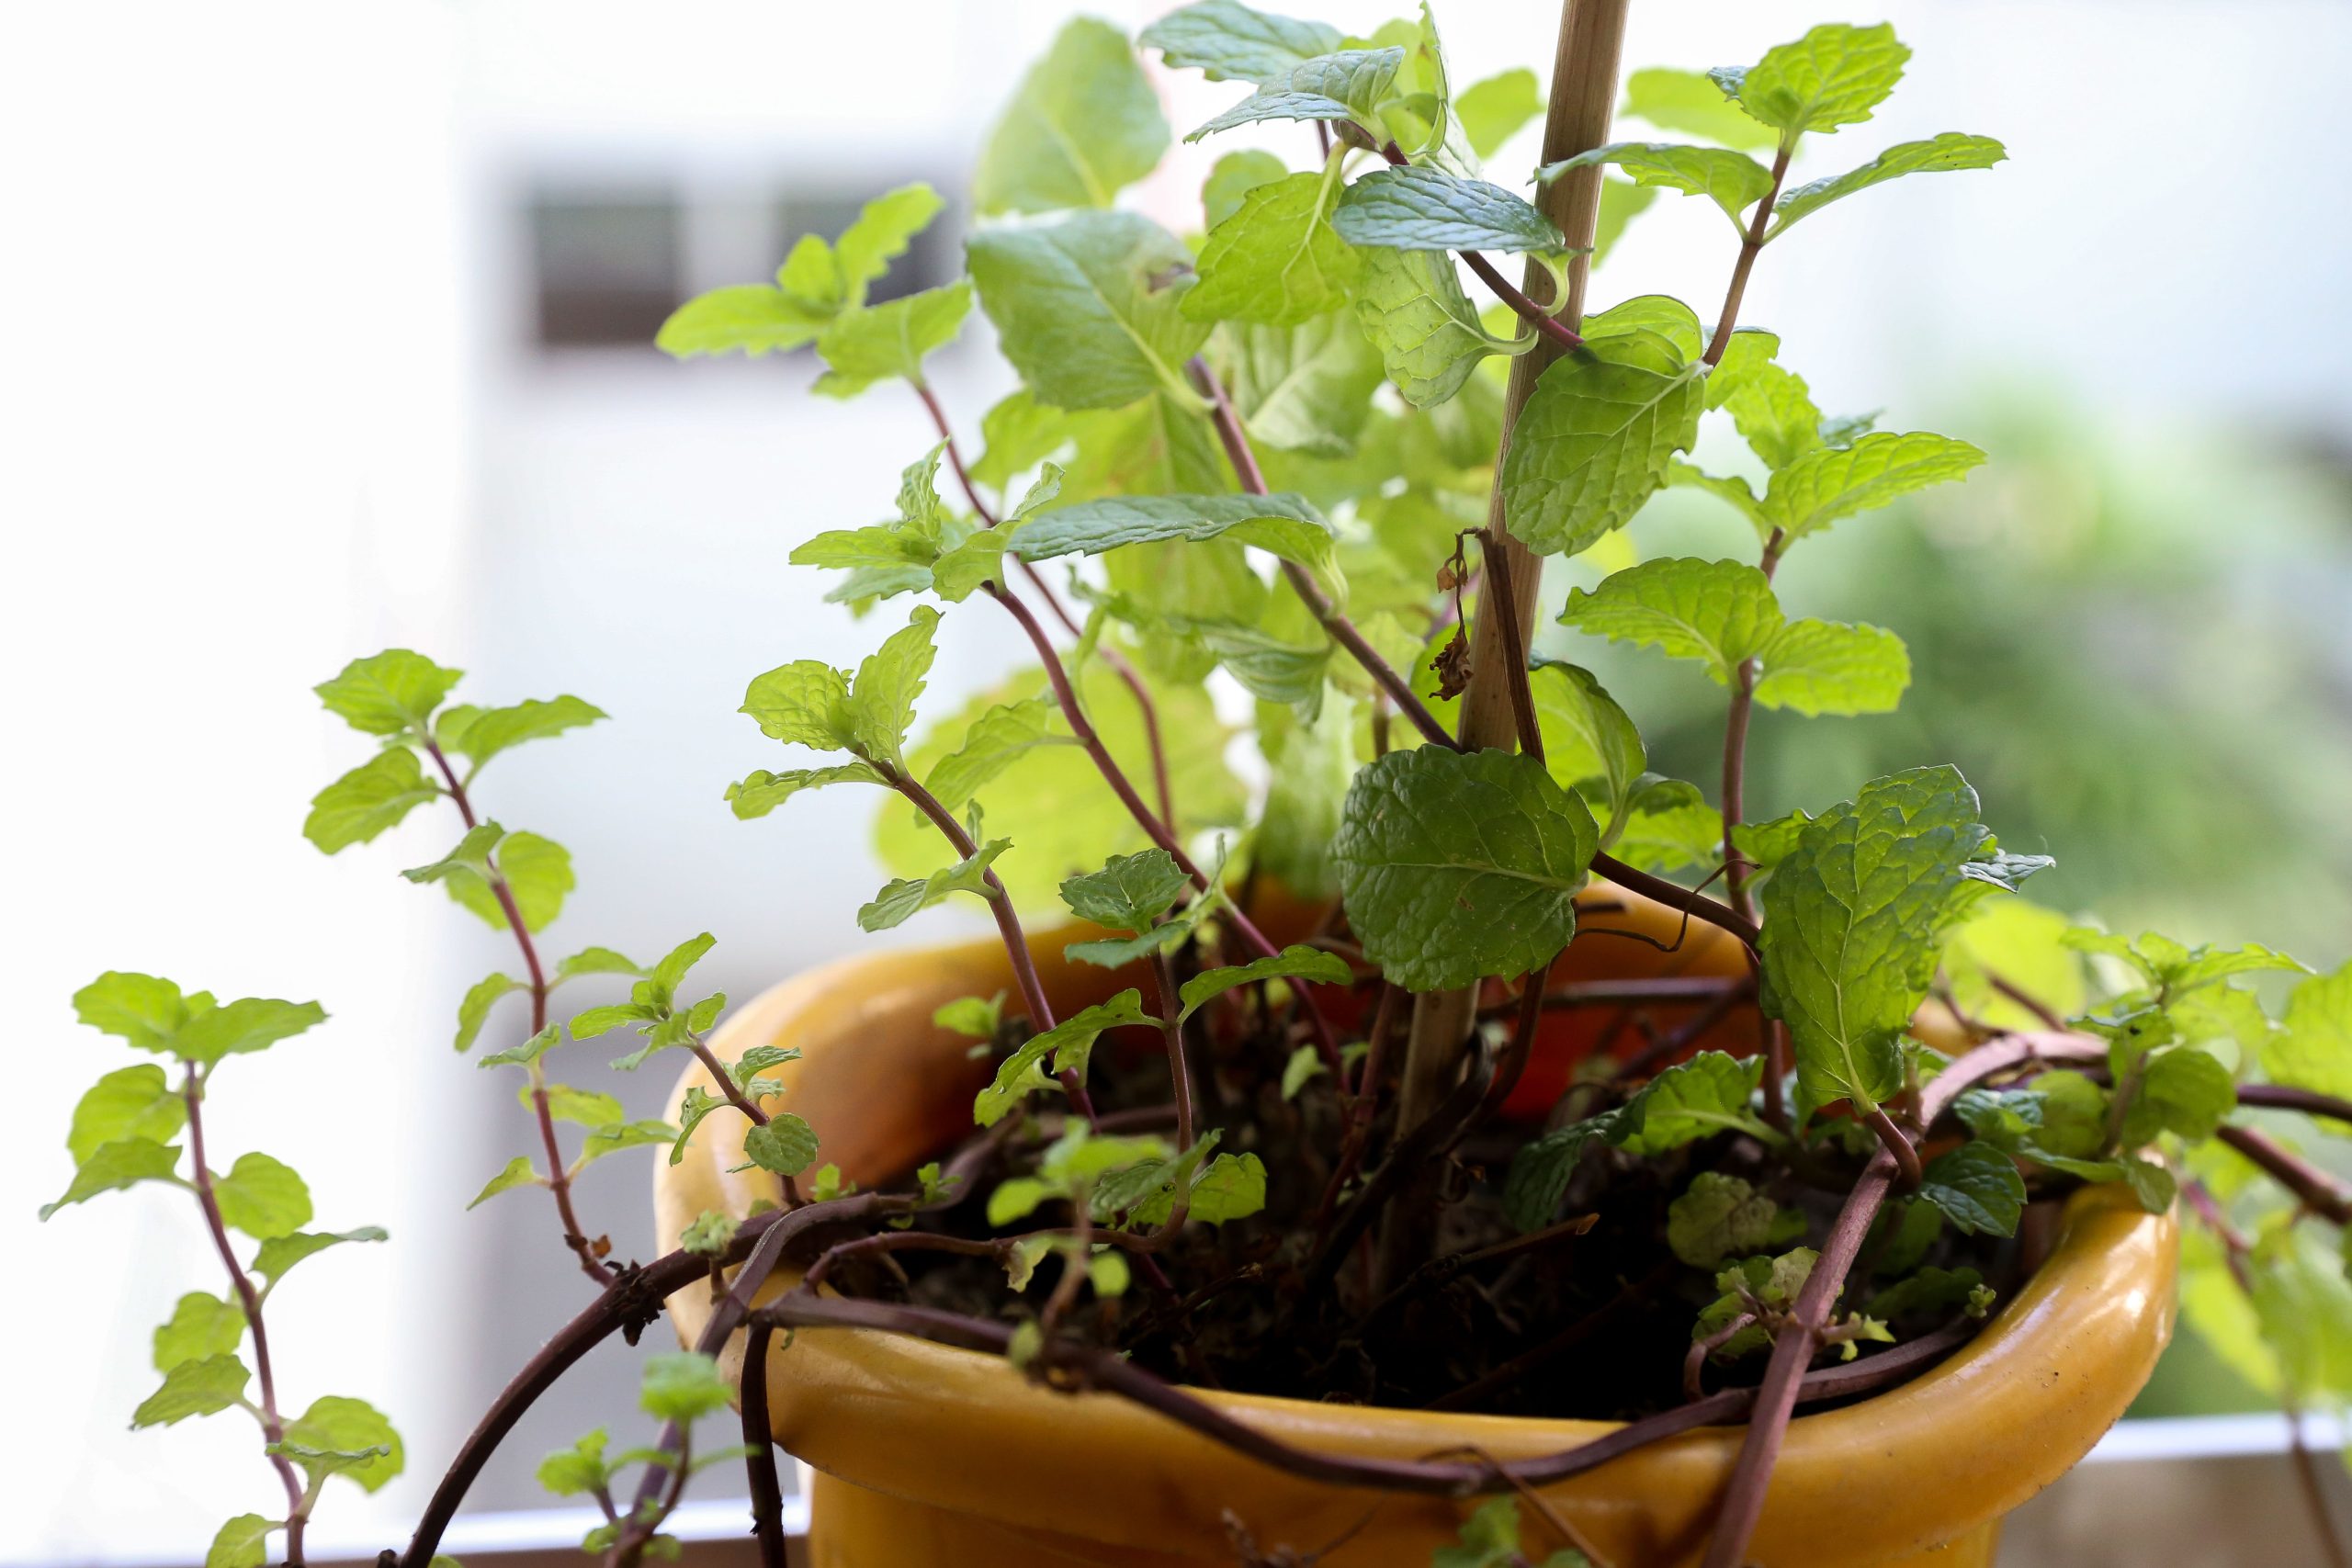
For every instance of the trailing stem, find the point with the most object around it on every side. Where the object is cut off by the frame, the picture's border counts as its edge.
(559, 1174)
(273, 1425)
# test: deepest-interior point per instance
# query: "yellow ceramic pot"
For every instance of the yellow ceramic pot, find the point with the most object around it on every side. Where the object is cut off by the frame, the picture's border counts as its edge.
(929, 1457)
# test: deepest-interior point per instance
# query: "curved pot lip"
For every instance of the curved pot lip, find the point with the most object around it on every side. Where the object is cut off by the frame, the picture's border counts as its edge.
(2046, 1377)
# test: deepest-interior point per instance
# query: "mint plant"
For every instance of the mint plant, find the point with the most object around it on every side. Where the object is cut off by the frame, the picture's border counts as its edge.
(1295, 455)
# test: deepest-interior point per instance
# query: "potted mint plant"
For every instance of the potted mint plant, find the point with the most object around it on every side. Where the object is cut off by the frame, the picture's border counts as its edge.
(1470, 1147)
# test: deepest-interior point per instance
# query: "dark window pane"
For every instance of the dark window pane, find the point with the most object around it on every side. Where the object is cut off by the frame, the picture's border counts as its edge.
(608, 270)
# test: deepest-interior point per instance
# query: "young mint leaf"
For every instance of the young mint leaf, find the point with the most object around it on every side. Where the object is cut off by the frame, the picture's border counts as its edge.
(1304, 388)
(537, 872)
(1733, 181)
(1090, 309)
(282, 1253)
(1278, 261)
(1083, 124)
(1771, 406)
(473, 1008)
(1851, 918)
(201, 1327)
(345, 1437)
(761, 792)
(1717, 1217)
(479, 734)
(112, 1166)
(1592, 444)
(710, 1232)
(1540, 1171)
(1834, 75)
(1697, 1098)
(751, 317)
(979, 1017)
(1230, 42)
(1455, 865)
(577, 1470)
(903, 899)
(882, 698)
(1661, 313)
(132, 1102)
(995, 740)
(1977, 1188)
(519, 1173)
(1492, 111)
(1129, 893)
(618, 1135)
(2314, 1050)
(1068, 1044)
(1950, 150)
(388, 692)
(529, 1051)
(802, 704)
(1720, 613)
(1829, 667)
(1235, 177)
(1232, 1188)
(1305, 1063)
(1667, 826)
(682, 1386)
(193, 1388)
(1284, 525)
(1346, 85)
(2182, 1090)
(470, 857)
(1293, 962)
(241, 1543)
(262, 1197)
(1412, 310)
(1831, 483)
(786, 1146)
(370, 799)
(1414, 208)
(1688, 103)
(144, 1010)
(871, 343)
(884, 227)
(581, 1107)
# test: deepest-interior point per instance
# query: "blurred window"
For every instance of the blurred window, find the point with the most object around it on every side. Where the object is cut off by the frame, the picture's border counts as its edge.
(608, 270)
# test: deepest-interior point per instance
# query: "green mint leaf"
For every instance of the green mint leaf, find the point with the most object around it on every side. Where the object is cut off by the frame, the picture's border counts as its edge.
(2151, 1183)
(1927, 1294)
(1733, 181)
(2018, 940)
(388, 692)
(1729, 487)
(144, 1010)
(1346, 85)
(1278, 261)
(877, 343)
(1832, 482)
(1142, 1191)
(132, 1102)
(1661, 313)
(1770, 843)
(1412, 310)
(1230, 42)
(1284, 525)
(761, 792)
(1083, 125)
(2175, 969)
(1771, 406)
(979, 1017)
(370, 799)
(1456, 865)
(1232, 1188)
(1304, 388)
(1305, 1063)
(241, 1543)
(682, 1386)
(1829, 667)
(1693, 1099)
(1592, 444)
(1235, 177)
(479, 734)
(1720, 613)
(1068, 1043)
(519, 1173)
(710, 1233)
(1296, 962)
(529, 1051)
(1414, 208)
(1129, 893)
(473, 1010)
(619, 1135)
(698, 1107)
(749, 317)
(537, 873)
(903, 899)
(1950, 150)
(1017, 1198)
(1851, 918)
(345, 1437)
(1586, 734)
(577, 1470)
(281, 1253)
(193, 1388)
(470, 857)
(1667, 827)
(882, 698)
(1542, 1169)
(671, 970)
(581, 1107)
(802, 704)
(1977, 1188)
(1018, 432)
(1688, 103)
(200, 1327)
(124, 1162)
(262, 1197)
(884, 227)
(1090, 309)
(1834, 75)
(1493, 110)
(2314, 1050)
(785, 1146)
(2182, 1090)
(995, 740)
(1717, 1217)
